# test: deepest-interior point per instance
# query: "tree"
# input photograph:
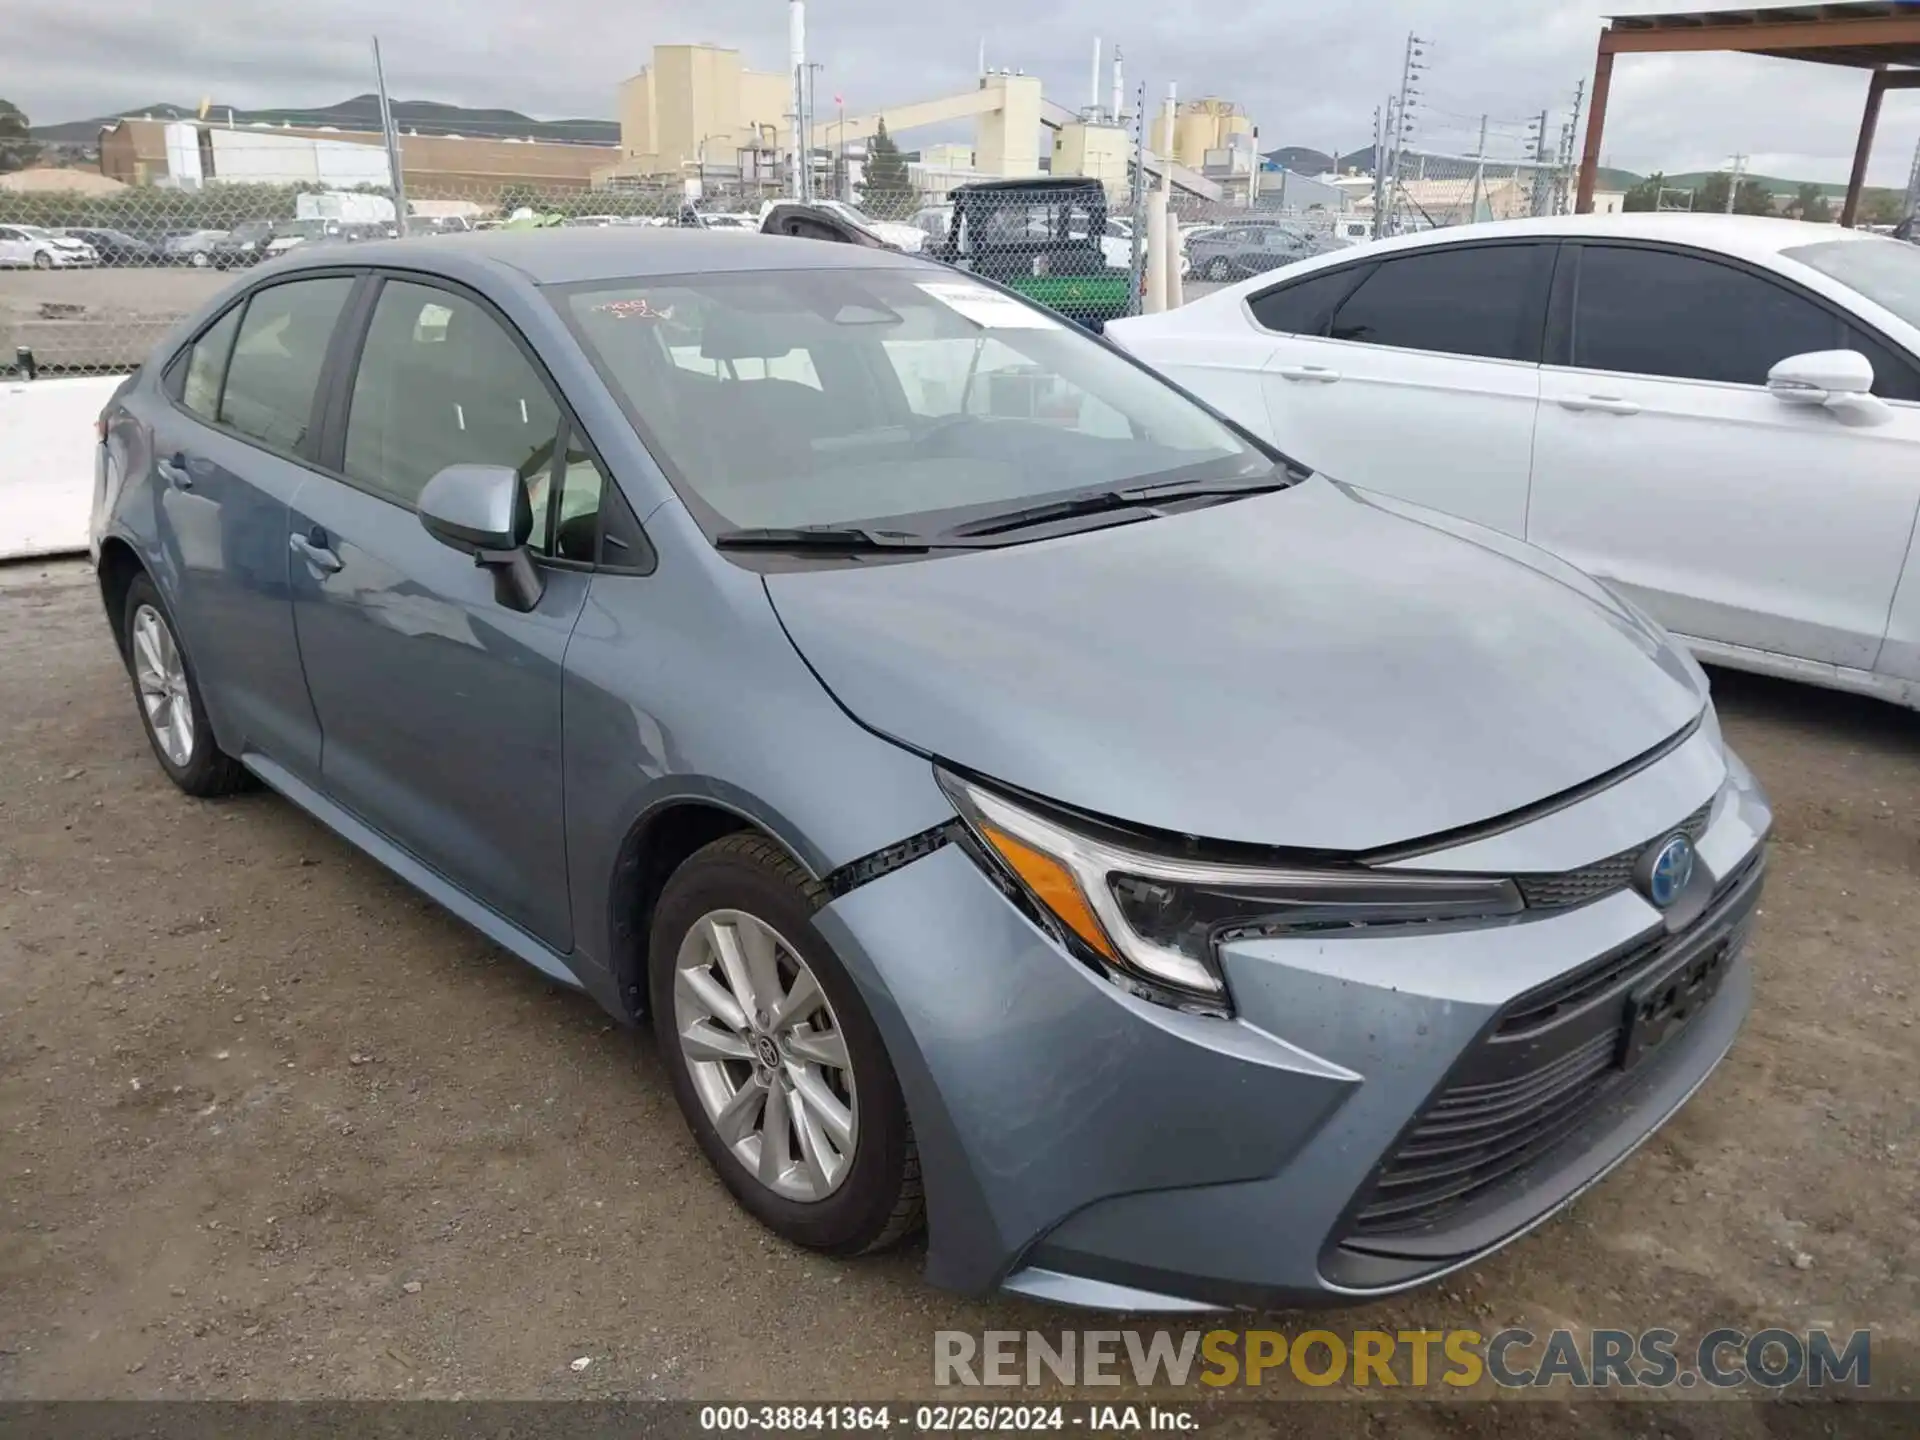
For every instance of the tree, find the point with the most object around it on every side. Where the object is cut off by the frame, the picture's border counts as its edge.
(888, 189)
(1645, 195)
(1810, 204)
(18, 149)
(1883, 207)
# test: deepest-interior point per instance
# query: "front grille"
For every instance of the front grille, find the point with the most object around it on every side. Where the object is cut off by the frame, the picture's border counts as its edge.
(1567, 888)
(1543, 1066)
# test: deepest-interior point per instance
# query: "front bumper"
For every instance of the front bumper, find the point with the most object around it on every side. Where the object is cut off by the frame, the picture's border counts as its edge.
(1085, 1146)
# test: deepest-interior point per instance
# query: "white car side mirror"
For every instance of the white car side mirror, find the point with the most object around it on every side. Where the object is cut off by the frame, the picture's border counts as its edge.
(1839, 380)
(1810, 378)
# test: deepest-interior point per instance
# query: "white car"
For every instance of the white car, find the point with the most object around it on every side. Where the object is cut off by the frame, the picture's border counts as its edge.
(29, 245)
(910, 238)
(1717, 415)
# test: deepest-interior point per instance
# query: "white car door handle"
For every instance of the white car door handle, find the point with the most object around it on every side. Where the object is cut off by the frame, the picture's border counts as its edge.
(1611, 404)
(1319, 373)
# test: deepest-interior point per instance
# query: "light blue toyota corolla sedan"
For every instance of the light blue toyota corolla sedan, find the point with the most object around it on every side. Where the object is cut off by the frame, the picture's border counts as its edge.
(1018, 800)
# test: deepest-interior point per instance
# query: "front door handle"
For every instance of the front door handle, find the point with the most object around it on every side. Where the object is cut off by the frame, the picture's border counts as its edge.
(1318, 373)
(314, 549)
(175, 472)
(1610, 404)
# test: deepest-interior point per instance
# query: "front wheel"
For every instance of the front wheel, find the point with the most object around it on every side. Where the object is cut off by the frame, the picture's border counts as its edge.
(776, 1063)
(199, 259)
(169, 698)
(1217, 268)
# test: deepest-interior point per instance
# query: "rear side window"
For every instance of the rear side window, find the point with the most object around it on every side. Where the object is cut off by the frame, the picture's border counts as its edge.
(442, 383)
(1654, 312)
(1302, 307)
(275, 370)
(1482, 300)
(206, 366)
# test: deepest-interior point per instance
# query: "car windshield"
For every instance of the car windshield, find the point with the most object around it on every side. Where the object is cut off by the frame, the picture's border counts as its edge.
(1886, 271)
(837, 397)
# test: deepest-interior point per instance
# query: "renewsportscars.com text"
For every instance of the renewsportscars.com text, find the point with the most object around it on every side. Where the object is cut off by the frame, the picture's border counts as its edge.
(1513, 1358)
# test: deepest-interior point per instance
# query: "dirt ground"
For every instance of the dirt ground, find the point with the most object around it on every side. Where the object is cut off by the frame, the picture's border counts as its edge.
(271, 1125)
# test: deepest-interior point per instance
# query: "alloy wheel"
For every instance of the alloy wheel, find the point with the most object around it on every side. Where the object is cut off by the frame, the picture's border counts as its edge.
(161, 676)
(766, 1055)
(42, 260)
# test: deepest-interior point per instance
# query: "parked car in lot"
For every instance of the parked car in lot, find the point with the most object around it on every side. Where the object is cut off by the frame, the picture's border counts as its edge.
(41, 249)
(1010, 791)
(248, 243)
(116, 247)
(191, 247)
(1233, 252)
(1719, 416)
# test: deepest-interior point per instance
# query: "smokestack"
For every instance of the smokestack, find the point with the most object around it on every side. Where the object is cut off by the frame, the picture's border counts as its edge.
(1093, 89)
(1119, 94)
(983, 59)
(798, 155)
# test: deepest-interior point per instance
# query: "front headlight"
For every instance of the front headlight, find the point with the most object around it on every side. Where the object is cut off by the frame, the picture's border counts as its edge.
(1154, 922)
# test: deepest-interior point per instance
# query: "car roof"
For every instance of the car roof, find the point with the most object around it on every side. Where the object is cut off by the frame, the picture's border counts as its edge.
(1755, 237)
(562, 255)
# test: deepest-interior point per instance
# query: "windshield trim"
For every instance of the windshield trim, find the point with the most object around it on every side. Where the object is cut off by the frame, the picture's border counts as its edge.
(713, 524)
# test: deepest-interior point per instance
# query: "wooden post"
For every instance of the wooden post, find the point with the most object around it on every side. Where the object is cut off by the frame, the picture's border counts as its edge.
(1863, 149)
(1596, 123)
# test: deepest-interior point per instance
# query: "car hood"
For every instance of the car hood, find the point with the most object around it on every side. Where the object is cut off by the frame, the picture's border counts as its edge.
(1312, 669)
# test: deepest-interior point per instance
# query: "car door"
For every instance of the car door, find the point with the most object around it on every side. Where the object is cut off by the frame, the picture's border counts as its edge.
(1663, 465)
(439, 706)
(234, 430)
(1416, 374)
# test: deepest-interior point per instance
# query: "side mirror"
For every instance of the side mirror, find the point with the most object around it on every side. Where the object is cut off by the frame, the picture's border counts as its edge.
(1819, 375)
(484, 511)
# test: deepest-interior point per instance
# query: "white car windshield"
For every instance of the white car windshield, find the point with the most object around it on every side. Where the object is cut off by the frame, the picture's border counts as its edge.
(846, 396)
(1886, 271)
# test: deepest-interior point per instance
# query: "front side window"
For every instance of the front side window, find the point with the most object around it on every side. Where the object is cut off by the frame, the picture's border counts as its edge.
(206, 365)
(275, 370)
(843, 396)
(1655, 312)
(1886, 271)
(1478, 300)
(442, 383)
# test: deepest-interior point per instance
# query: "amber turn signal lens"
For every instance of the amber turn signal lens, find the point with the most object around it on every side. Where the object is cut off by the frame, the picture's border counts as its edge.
(1052, 886)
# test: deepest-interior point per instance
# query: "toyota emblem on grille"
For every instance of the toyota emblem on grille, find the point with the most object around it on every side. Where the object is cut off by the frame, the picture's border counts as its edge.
(1663, 872)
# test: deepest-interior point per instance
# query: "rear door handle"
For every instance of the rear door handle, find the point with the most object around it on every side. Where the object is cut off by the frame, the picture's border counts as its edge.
(175, 472)
(1319, 373)
(313, 548)
(1611, 404)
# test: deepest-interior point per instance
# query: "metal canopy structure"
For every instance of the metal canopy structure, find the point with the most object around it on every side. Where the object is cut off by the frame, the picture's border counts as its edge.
(1882, 36)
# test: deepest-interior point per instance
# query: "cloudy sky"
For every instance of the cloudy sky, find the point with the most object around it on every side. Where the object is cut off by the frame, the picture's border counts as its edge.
(1309, 72)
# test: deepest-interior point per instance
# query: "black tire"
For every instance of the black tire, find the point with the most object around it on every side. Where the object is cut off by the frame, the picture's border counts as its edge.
(42, 260)
(880, 1201)
(208, 771)
(1217, 268)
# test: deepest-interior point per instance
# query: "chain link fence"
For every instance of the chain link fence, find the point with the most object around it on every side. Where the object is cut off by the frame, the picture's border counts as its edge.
(92, 277)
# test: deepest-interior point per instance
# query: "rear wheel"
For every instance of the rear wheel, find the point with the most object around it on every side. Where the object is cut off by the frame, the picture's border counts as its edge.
(42, 260)
(169, 700)
(200, 259)
(776, 1063)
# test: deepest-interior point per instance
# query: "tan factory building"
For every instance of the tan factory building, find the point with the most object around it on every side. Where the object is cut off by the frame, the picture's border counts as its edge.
(436, 166)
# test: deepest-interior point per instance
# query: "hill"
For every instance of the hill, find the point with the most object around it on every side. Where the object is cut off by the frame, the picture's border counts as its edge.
(1303, 160)
(362, 112)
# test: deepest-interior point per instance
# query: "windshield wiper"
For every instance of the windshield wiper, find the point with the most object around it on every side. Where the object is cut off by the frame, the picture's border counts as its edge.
(844, 538)
(1206, 489)
(1136, 497)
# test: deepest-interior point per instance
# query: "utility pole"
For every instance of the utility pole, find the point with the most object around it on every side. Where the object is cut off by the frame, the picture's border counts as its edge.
(1479, 174)
(1379, 170)
(393, 142)
(1542, 177)
(1410, 67)
(1912, 205)
(1733, 180)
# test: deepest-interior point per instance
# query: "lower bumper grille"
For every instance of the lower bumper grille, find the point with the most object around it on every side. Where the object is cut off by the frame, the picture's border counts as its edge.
(1544, 1065)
